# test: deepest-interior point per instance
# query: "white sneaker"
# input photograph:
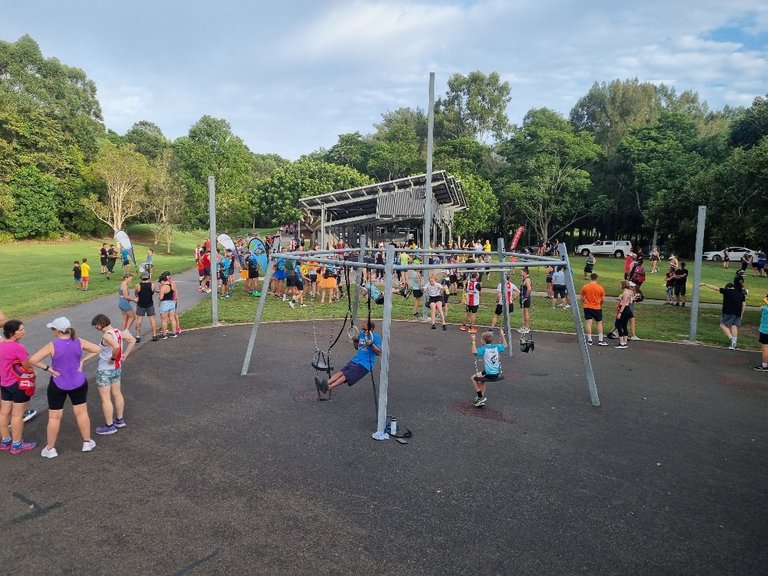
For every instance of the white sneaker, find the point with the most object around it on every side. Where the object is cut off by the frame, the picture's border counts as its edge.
(292, 304)
(89, 445)
(634, 338)
(602, 343)
(49, 452)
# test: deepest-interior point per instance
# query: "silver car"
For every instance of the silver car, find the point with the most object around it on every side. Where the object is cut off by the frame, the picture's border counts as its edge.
(734, 254)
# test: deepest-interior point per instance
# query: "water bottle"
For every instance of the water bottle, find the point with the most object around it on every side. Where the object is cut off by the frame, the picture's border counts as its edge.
(392, 426)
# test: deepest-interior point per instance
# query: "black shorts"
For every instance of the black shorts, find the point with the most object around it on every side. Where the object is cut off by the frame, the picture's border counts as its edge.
(472, 309)
(445, 298)
(592, 314)
(57, 396)
(224, 278)
(253, 274)
(500, 309)
(312, 278)
(679, 289)
(207, 271)
(559, 290)
(299, 285)
(763, 338)
(525, 303)
(453, 279)
(290, 281)
(13, 394)
(418, 293)
(435, 299)
(380, 299)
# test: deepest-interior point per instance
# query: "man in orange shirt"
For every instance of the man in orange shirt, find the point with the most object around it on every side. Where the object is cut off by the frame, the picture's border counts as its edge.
(592, 296)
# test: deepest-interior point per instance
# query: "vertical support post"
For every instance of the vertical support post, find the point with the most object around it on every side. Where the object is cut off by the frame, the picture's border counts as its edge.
(322, 227)
(386, 329)
(259, 309)
(360, 259)
(214, 253)
(504, 303)
(428, 185)
(700, 225)
(585, 358)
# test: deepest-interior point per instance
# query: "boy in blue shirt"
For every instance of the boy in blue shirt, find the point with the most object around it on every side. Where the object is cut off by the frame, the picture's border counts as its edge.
(490, 353)
(368, 345)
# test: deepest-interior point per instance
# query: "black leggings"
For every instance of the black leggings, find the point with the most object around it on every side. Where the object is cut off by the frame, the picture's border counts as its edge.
(622, 321)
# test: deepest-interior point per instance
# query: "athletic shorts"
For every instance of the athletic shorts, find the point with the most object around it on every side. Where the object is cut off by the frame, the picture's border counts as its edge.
(453, 278)
(559, 290)
(290, 281)
(167, 306)
(445, 298)
(353, 372)
(279, 275)
(13, 394)
(588, 269)
(313, 277)
(435, 299)
(253, 274)
(472, 309)
(593, 314)
(57, 396)
(380, 300)
(224, 278)
(299, 285)
(124, 306)
(78, 279)
(763, 338)
(105, 378)
(86, 278)
(679, 289)
(731, 320)
(418, 293)
(489, 377)
(207, 271)
(148, 311)
(500, 309)
(525, 303)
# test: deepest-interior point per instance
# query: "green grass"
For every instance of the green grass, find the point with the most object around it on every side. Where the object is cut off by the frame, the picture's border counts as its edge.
(37, 276)
(654, 322)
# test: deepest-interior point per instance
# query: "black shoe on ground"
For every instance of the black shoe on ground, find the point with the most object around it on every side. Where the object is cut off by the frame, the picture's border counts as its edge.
(155, 338)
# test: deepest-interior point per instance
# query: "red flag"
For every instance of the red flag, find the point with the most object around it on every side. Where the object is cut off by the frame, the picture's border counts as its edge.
(516, 239)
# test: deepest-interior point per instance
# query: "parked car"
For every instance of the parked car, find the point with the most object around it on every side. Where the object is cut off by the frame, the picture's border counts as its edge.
(617, 248)
(734, 254)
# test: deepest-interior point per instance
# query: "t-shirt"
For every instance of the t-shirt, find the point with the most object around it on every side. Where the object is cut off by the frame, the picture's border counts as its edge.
(10, 351)
(593, 295)
(372, 291)
(511, 289)
(473, 292)
(78, 273)
(764, 318)
(558, 277)
(403, 259)
(432, 290)
(681, 276)
(490, 355)
(365, 356)
(85, 270)
(413, 275)
(733, 299)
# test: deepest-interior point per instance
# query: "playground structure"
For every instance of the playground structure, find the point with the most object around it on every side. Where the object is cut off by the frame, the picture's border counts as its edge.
(505, 262)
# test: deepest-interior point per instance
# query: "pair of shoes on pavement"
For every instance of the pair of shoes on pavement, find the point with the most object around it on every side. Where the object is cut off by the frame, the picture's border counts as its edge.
(479, 401)
(88, 445)
(111, 428)
(16, 447)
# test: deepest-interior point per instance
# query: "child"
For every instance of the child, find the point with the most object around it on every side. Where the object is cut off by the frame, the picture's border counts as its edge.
(589, 265)
(85, 272)
(77, 272)
(472, 295)
(490, 354)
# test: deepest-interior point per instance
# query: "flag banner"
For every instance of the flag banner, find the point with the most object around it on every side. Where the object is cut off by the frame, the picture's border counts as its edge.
(257, 247)
(126, 244)
(516, 238)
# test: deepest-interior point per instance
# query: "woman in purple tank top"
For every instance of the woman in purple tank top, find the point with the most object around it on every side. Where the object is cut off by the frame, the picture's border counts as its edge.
(67, 380)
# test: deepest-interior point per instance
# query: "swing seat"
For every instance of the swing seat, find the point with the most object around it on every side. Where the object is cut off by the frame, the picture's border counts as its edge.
(526, 345)
(321, 362)
(486, 379)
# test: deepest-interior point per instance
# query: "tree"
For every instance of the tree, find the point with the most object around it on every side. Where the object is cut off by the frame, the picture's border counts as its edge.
(33, 212)
(474, 106)
(166, 198)
(351, 150)
(277, 196)
(752, 125)
(398, 145)
(211, 149)
(546, 178)
(482, 207)
(147, 138)
(125, 174)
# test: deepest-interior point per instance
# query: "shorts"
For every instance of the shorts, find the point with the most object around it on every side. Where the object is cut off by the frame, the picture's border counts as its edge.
(125, 306)
(679, 289)
(380, 300)
(299, 285)
(593, 314)
(290, 281)
(763, 338)
(489, 377)
(105, 378)
(588, 269)
(500, 309)
(78, 279)
(313, 277)
(253, 274)
(13, 394)
(126, 262)
(57, 396)
(148, 311)
(418, 293)
(559, 290)
(103, 260)
(472, 309)
(731, 320)
(549, 279)
(86, 278)
(353, 372)
(279, 275)
(453, 278)
(167, 306)
(525, 303)
(224, 278)
(207, 271)
(435, 299)
(445, 298)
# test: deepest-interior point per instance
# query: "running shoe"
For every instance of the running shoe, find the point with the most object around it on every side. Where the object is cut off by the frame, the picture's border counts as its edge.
(589, 342)
(174, 335)
(445, 328)
(434, 327)
(602, 343)
(155, 338)
(5, 444)
(138, 339)
(106, 429)
(463, 328)
(29, 414)
(634, 338)
(523, 330)
(89, 445)
(119, 423)
(479, 401)
(49, 452)
(164, 336)
(22, 446)
(621, 346)
(761, 368)
(292, 304)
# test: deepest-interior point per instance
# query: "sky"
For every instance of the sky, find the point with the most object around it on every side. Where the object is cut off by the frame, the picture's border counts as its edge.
(290, 76)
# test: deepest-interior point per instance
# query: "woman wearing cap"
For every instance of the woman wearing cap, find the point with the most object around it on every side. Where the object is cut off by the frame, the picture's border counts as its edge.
(14, 401)
(67, 380)
(763, 338)
(124, 302)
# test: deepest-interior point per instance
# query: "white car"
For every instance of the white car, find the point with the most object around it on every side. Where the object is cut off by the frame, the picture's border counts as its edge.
(617, 248)
(734, 254)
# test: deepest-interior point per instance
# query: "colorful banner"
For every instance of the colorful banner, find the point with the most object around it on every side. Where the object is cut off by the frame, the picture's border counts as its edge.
(516, 238)
(259, 250)
(125, 243)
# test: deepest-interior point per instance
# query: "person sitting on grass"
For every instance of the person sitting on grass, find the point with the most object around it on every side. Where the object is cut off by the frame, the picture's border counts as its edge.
(490, 353)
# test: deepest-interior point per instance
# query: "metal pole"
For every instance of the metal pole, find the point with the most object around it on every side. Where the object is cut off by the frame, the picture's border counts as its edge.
(586, 360)
(701, 224)
(213, 253)
(322, 227)
(356, 302)
(386, 329)
(504, 302)
(259, 310)
(428, 179)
